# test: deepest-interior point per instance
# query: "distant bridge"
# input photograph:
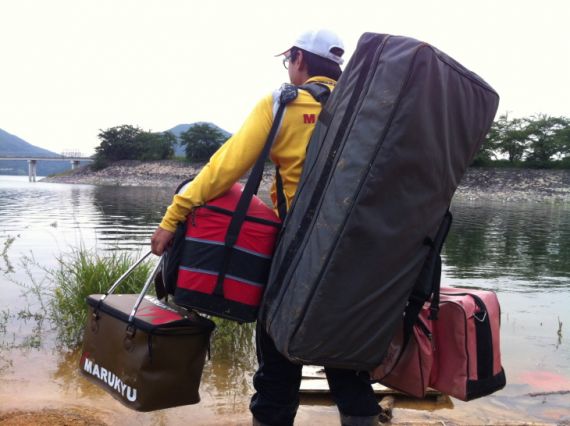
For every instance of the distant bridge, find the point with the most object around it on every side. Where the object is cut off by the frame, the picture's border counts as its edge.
(33, 161)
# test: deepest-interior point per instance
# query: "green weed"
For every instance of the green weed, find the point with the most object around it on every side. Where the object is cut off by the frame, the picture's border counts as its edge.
(81, 273)
(4, 317)
(4, 254)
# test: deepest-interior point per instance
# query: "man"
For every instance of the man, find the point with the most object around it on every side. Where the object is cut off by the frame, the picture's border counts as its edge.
(315, 56)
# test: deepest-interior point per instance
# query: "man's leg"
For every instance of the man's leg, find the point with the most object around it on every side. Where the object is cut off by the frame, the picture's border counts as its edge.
(354, 397)
(277, 383)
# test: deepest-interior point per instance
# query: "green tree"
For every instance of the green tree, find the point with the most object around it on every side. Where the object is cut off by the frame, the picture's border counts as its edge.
(546, 137)
(510, 137)
(155, 146)
(201, 141)
(118, 143)
(563, 139)
(132, 143)
(505, 137)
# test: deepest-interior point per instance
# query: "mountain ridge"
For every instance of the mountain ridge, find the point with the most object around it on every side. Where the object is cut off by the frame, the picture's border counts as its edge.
(179, 150)
(13, 145)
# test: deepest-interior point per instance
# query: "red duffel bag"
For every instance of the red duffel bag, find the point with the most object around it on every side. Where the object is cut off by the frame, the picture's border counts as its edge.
(407, 365)
(457, 354)
(467, 364)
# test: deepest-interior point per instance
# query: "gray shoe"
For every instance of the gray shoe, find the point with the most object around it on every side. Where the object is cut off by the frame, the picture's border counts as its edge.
(358, 420)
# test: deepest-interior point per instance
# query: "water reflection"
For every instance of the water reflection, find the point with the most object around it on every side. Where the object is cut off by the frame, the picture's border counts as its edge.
(234, 362)
(528, 242)
(509, 247)
(128, 216)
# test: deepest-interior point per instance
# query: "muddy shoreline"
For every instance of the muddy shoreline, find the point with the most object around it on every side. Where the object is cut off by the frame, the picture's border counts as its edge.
(478, 183)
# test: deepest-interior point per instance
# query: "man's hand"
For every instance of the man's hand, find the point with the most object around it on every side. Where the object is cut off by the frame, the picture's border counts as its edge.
(160, 240)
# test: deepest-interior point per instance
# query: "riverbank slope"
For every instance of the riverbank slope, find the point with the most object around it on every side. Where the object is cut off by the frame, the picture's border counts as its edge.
(493, 183)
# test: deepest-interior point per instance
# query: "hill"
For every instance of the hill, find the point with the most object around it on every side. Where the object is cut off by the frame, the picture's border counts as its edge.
(11, 145)
(181, 128)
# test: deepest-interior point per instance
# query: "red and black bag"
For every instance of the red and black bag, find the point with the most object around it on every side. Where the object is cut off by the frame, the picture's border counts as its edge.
(223, 274)
(220, 259)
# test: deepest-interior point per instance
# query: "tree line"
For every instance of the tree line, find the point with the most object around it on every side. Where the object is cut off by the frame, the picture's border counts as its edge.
(128, 142)
(540, 140)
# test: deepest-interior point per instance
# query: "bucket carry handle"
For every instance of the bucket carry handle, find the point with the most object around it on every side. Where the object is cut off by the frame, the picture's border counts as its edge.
(145, 288)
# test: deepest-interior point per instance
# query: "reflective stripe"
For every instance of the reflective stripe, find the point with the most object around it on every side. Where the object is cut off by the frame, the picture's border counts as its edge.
(220, 243)
(232, 277)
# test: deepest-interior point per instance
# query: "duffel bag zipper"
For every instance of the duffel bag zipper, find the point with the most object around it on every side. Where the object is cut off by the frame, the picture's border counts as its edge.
(481, 314)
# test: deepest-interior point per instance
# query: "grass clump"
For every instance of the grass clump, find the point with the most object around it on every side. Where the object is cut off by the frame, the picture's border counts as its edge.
(81, 273)
(4, 254)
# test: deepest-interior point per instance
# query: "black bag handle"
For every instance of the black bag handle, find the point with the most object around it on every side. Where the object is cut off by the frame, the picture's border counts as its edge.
(429, 281)
(427, 286)
(320, 92)
(288, 93)
(281, 199)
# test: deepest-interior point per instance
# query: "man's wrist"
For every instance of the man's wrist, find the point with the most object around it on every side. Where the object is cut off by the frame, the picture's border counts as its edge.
(167, 225)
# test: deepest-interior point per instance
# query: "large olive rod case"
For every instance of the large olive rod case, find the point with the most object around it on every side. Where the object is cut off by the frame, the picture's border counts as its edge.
(146, 353)
(386, 156)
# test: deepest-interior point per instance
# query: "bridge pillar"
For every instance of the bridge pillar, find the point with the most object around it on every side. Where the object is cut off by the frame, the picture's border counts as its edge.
(32, 168)
(74, 164)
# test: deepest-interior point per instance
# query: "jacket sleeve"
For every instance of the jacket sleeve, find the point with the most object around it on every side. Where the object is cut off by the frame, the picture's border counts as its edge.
(228, 164)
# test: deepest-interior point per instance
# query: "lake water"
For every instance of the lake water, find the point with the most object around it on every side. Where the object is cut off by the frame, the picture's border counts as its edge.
(519, 250)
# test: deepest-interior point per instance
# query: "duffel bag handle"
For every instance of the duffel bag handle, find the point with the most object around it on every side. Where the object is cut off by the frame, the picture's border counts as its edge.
(145, 288)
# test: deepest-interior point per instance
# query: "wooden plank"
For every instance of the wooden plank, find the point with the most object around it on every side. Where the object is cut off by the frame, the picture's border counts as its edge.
(314, 382)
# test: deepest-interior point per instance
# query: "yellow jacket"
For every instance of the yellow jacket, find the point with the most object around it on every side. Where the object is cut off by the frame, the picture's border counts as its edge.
(239, 153)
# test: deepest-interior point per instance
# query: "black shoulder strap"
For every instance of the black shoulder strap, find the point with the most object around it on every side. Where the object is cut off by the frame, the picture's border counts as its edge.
(428, 282)
(426, 287)
(320, 92)
(280, 192)
(288, 94)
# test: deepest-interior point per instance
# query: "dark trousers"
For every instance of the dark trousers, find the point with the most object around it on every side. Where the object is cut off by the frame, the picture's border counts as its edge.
(277, 382)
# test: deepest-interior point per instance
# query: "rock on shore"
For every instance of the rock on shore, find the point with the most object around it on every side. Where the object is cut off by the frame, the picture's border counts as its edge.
(164, 173)
(515, 184)
(478, 183)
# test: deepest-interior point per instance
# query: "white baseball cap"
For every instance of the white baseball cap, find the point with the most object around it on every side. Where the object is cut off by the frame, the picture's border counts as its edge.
(320, 42)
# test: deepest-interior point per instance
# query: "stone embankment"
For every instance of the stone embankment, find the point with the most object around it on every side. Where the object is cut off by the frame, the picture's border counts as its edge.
(515, 184)
(162, 174)
(478, 183)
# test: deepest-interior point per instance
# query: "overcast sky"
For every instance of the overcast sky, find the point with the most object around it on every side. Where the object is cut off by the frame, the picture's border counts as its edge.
(72, 67)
